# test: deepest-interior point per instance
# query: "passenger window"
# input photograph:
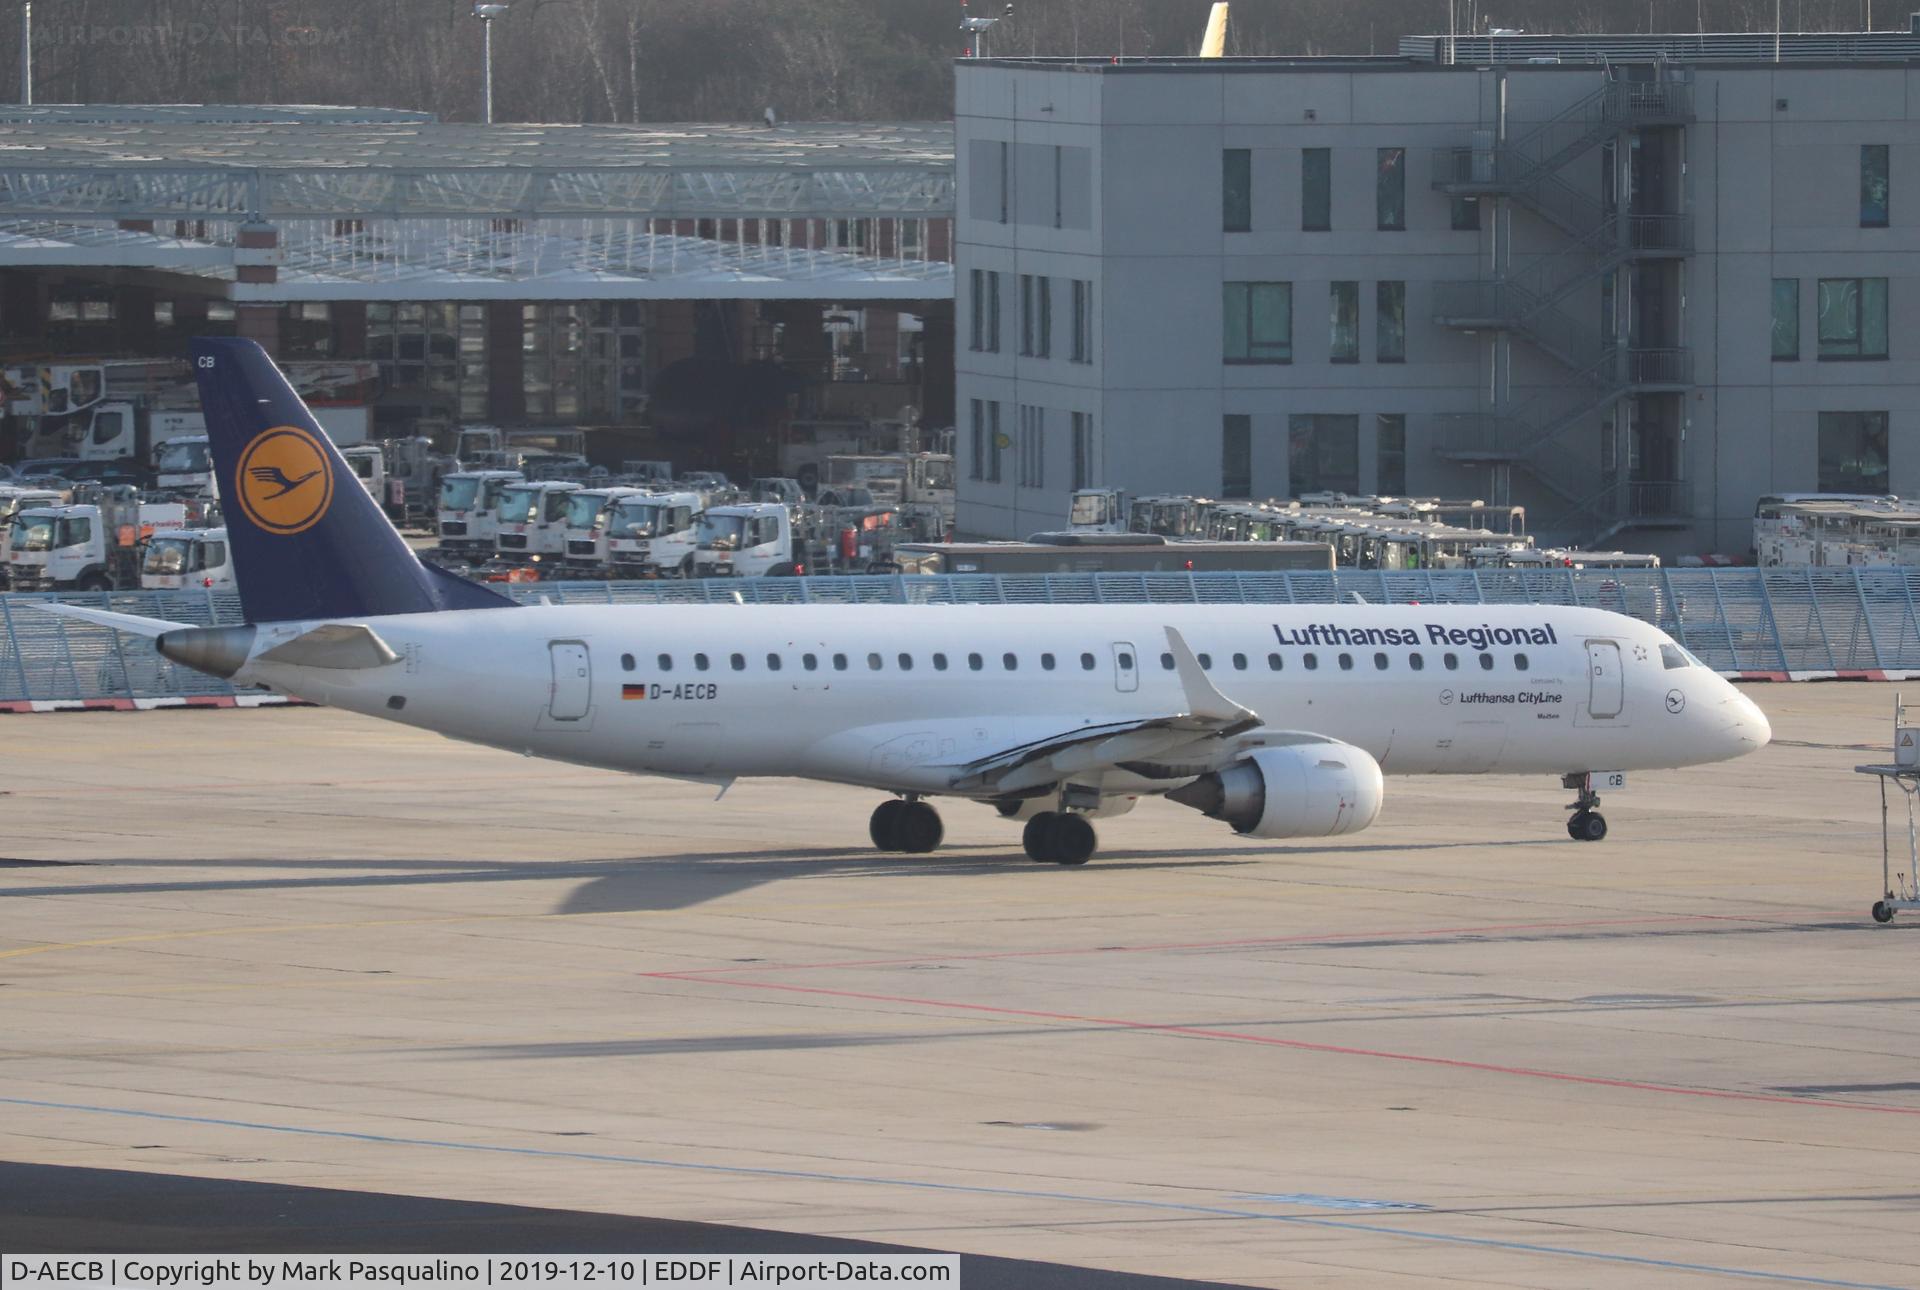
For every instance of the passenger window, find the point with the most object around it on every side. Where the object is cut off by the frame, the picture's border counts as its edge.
(1671, 657)
(1206, 662)
(1486, 662)
(739, 662)
(1166, 661)
(810, 661)
(1275, 662)
(906, 662)
(875, 662)
(1046, 662)
(773, 662)
(1346, 662)
(1312, 661)
(1086, 662)
(939, 662)
(1126, 661)
(700, 662)
(975, 662)
(1239, 662)
(1452, 661)
(1380, 662)
(1010, 661)
(626, 662)
(839, 662)
(1520, 661)
(666, 662)
(1415, 662)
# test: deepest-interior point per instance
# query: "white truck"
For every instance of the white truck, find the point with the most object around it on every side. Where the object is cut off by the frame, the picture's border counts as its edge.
(533, 521)
(653, 535)
(88, 547)
(468, 520)
(588, 513)
(189, 559)
(369, 464)
(746, 541)
(13, 500)
(185, 465)
(138, 429)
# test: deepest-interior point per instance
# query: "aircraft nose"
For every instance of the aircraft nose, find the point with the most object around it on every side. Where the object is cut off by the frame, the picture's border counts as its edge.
(1747, 724)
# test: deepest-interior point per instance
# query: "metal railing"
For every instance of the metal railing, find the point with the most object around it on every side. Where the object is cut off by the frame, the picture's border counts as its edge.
(1773, 621)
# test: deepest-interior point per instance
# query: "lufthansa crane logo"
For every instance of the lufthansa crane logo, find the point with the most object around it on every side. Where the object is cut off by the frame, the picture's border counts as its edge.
(284, 482)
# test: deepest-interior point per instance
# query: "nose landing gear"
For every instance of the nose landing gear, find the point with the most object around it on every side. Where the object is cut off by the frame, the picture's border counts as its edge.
(910, 826)
(1586, 824)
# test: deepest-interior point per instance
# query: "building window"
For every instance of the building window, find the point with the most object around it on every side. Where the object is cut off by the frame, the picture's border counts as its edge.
(1026, 314)
(1236, 456)
(1390, 322)
(1343, 322)
(993, 312)
(1006, 177)
(995, 441)
(1853, 318)
(1323, 453)
(1786, 319)
(1853, 452)
(977, 463)
(1873, 185)
(1236, 190)
(1259, 322)
(977, 310)
(1390, 442)
(1083, 450)
(1033, 447)
(1316, 190)
(1082, 321)
(1466, 214)
(1043, 317)
(1390, 199)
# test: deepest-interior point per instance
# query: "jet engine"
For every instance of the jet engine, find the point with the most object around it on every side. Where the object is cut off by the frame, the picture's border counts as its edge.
(1312, 790)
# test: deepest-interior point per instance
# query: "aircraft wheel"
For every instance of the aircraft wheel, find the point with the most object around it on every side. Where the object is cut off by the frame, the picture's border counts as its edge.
(917, 829)
(1594, 827)
(1074, 840)
(1576, 825)
(1038, 837)
(1882, 912)
(884, 826)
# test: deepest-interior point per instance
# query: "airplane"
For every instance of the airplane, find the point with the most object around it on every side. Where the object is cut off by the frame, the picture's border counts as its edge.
(1277, 720)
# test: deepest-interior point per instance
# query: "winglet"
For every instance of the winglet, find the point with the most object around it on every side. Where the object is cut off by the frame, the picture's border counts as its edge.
(1214, 43)
(1203, 697)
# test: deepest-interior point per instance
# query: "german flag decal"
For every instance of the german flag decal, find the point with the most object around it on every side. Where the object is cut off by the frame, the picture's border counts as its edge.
(633, 691)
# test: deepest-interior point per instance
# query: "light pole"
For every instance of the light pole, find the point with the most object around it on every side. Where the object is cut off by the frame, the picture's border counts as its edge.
(486, 13)
(26, 52)
(977, 28)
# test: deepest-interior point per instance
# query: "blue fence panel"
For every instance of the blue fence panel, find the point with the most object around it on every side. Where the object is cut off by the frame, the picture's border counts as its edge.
(1736, 620)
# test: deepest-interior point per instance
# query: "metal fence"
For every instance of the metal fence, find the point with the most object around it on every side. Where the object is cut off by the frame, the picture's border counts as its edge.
(1752, 622)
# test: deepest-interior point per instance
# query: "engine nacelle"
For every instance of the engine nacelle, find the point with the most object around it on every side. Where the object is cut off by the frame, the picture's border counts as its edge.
(1315, 790)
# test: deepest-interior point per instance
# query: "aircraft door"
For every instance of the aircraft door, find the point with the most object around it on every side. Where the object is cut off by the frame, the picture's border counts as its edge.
(1126, 667)
(572, 681)
(1608, 691)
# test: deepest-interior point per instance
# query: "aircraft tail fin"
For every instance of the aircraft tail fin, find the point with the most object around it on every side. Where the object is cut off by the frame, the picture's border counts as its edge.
(308, 540)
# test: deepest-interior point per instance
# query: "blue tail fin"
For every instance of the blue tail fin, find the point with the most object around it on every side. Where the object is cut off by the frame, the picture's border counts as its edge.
(308, 540)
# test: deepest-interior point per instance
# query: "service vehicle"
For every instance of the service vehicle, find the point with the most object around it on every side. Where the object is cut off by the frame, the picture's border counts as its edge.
(1273, 720)
(1835, 529)
(468, 520)
(653, 535)
(589, 514)
(746, 541)
(532, 519)
(198, 559)
(13, 499)
(1119, 553)
(90, 546)
(185, 465)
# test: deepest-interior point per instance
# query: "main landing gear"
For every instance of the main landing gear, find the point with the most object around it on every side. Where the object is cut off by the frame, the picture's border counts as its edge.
(1060, 837)
(910, 825)
(1586, 824)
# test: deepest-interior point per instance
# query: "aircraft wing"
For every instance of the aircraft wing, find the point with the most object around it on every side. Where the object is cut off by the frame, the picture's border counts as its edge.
(1209, 718)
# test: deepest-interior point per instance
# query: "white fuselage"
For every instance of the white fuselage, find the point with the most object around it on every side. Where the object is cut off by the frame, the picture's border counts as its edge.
(890, 696)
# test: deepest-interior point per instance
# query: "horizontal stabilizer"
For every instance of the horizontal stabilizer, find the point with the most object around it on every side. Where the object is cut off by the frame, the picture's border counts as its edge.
(132, 624)
(341, 647)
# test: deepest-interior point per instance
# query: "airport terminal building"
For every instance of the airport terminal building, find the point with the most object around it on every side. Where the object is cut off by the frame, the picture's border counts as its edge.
(1632, 282)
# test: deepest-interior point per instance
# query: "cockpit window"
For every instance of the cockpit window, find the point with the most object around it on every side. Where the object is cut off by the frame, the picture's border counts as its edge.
(1672, 657)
